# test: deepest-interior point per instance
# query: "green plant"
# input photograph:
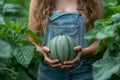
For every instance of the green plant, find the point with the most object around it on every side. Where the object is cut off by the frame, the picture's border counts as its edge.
(13, 35)
(12, 9)
(18, 58)
(62, 48)
(4, 49)
(22, 51)
(108, 31)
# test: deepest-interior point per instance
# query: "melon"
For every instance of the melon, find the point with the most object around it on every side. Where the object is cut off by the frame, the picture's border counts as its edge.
(61, 48)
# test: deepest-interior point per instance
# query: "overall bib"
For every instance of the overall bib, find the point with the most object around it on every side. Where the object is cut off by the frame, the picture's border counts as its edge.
(73, 25)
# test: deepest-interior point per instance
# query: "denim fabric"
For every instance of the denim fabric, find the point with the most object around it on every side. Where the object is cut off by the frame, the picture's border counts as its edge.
(80, 71)
(67, 23)
(71, 24)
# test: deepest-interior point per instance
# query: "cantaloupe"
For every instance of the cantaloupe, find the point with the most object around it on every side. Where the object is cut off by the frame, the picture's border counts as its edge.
(61, 48)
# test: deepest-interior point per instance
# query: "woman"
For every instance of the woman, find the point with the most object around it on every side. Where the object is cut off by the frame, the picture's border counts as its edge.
(73, 18)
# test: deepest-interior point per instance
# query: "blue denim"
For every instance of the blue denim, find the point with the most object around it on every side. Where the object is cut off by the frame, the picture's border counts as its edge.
(73, 25)
(67, 23)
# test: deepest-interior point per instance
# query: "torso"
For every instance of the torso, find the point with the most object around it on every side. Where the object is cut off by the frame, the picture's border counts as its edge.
(67, 9)
(67, 23)
(68, 6)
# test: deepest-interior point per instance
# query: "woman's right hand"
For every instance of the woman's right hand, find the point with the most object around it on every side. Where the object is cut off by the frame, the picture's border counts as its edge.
(45, 51)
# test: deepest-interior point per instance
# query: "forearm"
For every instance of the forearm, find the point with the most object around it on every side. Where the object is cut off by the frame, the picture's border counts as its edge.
(32, 22)
(32, 41)
(37, 46)
(88, 51)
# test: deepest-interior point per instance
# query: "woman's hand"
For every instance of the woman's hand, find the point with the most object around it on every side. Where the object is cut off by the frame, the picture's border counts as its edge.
(69, 64)
(45, 51)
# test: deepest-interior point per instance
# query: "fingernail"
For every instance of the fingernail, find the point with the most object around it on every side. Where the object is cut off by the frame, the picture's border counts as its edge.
(64, 63)
(57, 60)
(62, 67)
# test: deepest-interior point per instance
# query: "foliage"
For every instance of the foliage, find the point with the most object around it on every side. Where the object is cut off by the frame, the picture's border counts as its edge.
(108, 31)
(4, 49)
(12, 9)
(22, 51)
(18, 58)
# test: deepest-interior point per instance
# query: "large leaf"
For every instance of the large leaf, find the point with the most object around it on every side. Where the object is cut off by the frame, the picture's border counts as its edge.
(12, 9)
(4, 49)
(108, 7)
(110, 2)
(2, 22)
(105, 32)
(92, 33)
(21, 75)
(24, 54)
(106, 67)
(105, 28)
(116, 17)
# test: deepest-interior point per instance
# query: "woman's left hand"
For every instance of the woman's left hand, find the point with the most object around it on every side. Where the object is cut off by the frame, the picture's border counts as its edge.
(69, 64)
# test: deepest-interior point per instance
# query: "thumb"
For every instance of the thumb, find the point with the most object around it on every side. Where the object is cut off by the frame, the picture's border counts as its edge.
(46, 49)
(77, 48)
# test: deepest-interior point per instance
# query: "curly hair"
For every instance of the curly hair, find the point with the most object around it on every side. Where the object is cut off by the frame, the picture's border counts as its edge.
(43, 9)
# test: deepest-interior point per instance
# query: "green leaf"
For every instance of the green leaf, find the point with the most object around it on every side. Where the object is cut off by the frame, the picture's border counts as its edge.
(2, 22)
(106, 32)
(116, 9)
(24, 54)
(116, 17)
(92, 33)
(4, 49)
(21, 75)
(12, 9)
(104, 69)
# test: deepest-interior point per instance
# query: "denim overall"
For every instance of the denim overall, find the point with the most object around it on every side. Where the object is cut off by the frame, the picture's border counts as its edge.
(73, 25)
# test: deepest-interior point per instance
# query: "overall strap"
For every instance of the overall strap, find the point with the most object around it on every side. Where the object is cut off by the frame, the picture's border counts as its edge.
(83, 31)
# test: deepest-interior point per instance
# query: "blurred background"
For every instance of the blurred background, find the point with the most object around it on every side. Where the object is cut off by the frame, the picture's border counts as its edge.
(19, 59)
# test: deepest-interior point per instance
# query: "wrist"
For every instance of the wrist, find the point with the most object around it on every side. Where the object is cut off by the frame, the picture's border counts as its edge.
(85, 52)
(38, 48)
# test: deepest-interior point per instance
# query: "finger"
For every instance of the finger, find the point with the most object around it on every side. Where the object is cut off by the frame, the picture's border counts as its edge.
(66, 66)
(70, 62)
(75, 60)
(49, 61)
(57, 65)
(46, 49)
(78, 48)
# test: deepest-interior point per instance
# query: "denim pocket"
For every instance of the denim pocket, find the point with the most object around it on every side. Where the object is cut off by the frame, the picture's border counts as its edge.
(73, 32)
